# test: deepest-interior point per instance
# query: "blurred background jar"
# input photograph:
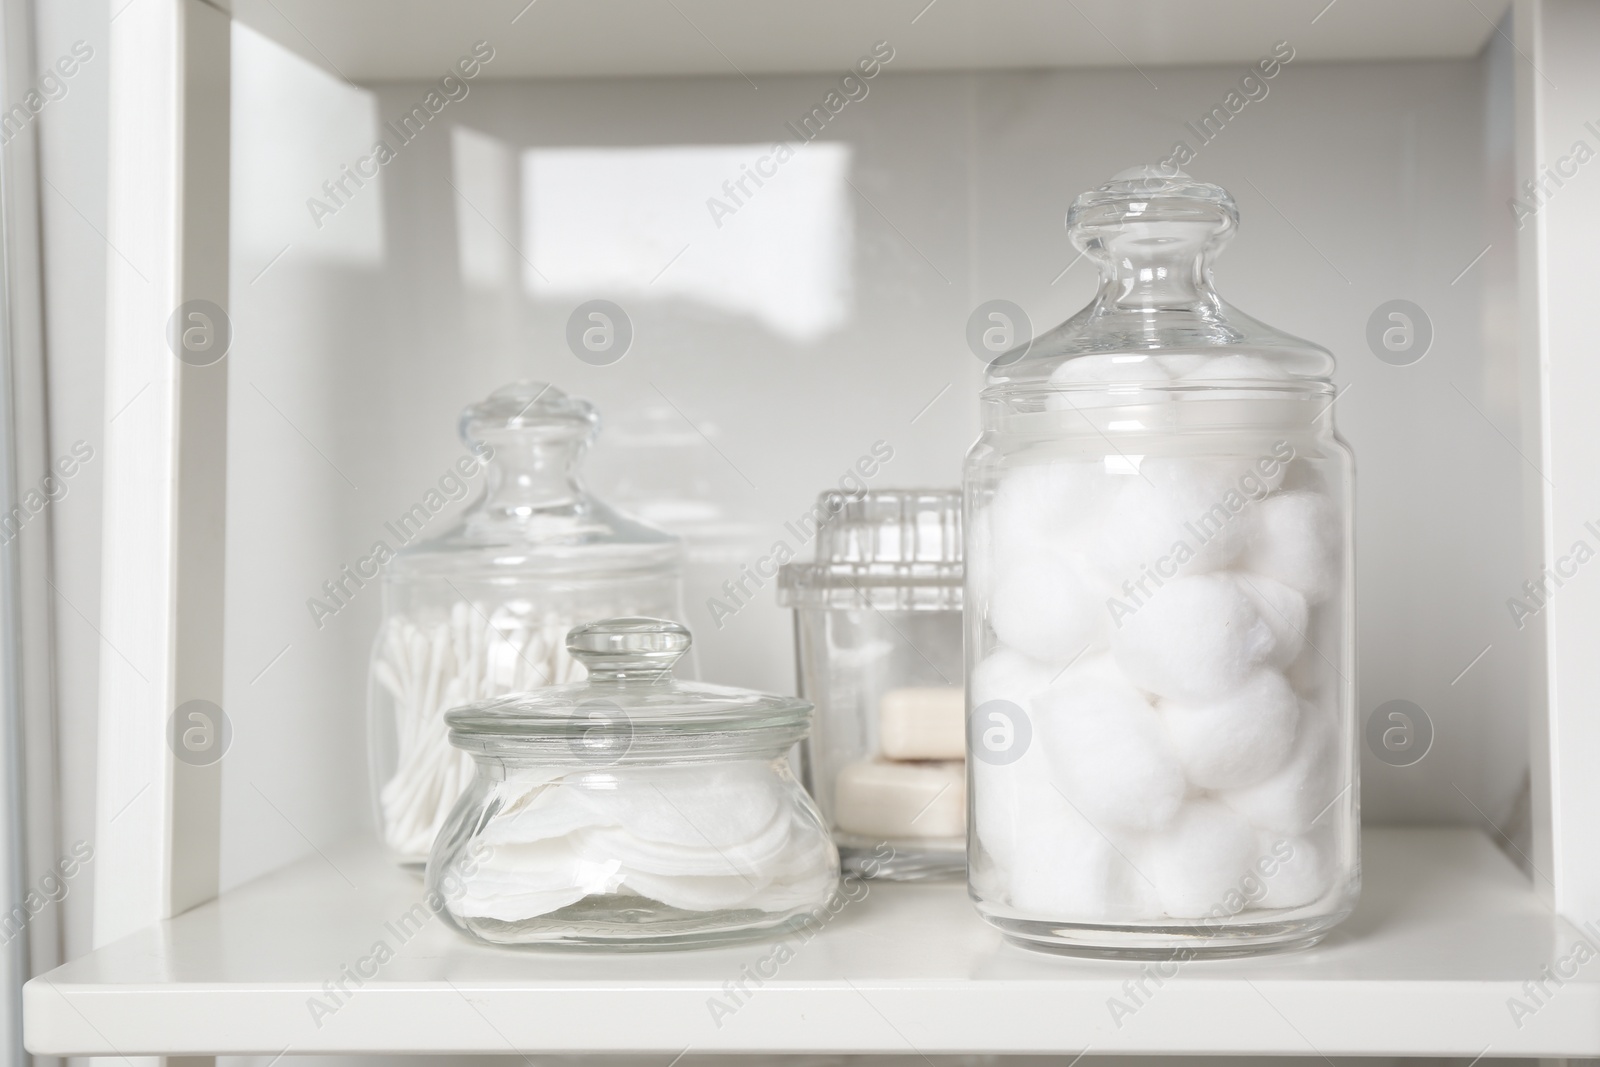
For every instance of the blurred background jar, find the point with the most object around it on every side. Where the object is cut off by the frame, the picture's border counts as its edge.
(484, 608)
(1160, 648)
(878, 643)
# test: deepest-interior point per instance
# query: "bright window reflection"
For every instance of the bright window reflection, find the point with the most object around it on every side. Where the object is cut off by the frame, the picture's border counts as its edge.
(739, 228)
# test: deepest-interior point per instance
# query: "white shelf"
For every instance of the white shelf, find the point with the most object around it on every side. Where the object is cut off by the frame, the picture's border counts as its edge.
(384, 40)
(1446, 933)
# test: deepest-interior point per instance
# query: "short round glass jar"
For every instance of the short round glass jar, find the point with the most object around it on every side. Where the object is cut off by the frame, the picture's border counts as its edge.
(1160, 655)
(632, 810)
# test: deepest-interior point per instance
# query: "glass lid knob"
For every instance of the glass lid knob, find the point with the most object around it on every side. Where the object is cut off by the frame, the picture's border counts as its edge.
(614, 648)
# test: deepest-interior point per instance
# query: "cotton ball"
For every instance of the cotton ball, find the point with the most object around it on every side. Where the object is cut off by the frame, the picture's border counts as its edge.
(1295, 541)
(1199, 860)
(1110, 757)
(1286, 614)
(1006, 674)
(1235, 740)
(1177, 516)
(1044, 605)
(1295, 870)
(1309, 782)
(1011, 802)
(1196, 639)
(1181, 365)
(1238, 367)
(1048, 504)
(1121, 377)
(1072, 874)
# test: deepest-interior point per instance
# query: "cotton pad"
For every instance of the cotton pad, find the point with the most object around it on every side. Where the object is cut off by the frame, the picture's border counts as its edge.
(1196, 639)
(1306, 786)
(1235, 740)
(1294, 542)
(1175, 516)
(534, 812)
(710, 805)
(1044, 605)
(1285, 612)
(1296, 870)
(1199, 860)
(1108, 752)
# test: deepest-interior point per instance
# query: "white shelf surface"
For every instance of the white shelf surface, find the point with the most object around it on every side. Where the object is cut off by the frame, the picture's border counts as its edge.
(1447, 934)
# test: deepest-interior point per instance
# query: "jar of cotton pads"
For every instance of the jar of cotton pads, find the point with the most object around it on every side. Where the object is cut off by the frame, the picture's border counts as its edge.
(1160, 657)
(483, 607)
(878, 647)
(632, 810)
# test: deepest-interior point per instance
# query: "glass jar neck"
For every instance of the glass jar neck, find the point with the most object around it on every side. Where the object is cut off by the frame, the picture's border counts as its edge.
(532, 473)
(1155, 267)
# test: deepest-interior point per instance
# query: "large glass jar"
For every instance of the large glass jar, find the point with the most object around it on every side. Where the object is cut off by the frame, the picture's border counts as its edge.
(484, 608)
(878, 643)
(633, 810)
(1160, 656)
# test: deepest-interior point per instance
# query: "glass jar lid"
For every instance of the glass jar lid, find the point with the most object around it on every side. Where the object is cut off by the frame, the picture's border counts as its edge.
(1156, 326)
(535, 514)
(890, 549)
(631, 708)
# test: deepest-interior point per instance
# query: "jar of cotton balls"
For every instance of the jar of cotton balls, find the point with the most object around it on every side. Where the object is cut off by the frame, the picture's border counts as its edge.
(1159, 609)
(632, 810)
(483, 608)
(878, 645)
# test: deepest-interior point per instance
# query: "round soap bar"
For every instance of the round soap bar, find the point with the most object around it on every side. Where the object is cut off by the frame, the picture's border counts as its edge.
(923, 723)
(1196, 639)
(1234, 740)
(876, 798)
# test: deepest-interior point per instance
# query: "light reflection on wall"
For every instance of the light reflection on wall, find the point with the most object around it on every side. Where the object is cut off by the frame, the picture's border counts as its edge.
(639, 223)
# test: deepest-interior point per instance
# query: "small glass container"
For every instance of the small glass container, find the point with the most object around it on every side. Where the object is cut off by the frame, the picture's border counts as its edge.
(878, 640)
(483, 609)
(1160, 648)
(632, 810)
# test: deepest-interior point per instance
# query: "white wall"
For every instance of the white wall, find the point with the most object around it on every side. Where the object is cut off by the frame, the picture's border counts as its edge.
(795, 351)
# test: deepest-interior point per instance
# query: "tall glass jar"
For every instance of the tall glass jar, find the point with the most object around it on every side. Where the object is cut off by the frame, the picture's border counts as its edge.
(484, 609)
(1160, 656)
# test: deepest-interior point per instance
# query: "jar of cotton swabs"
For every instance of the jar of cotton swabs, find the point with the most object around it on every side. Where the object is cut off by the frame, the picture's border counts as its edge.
(484, 608)
(1159, 607)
